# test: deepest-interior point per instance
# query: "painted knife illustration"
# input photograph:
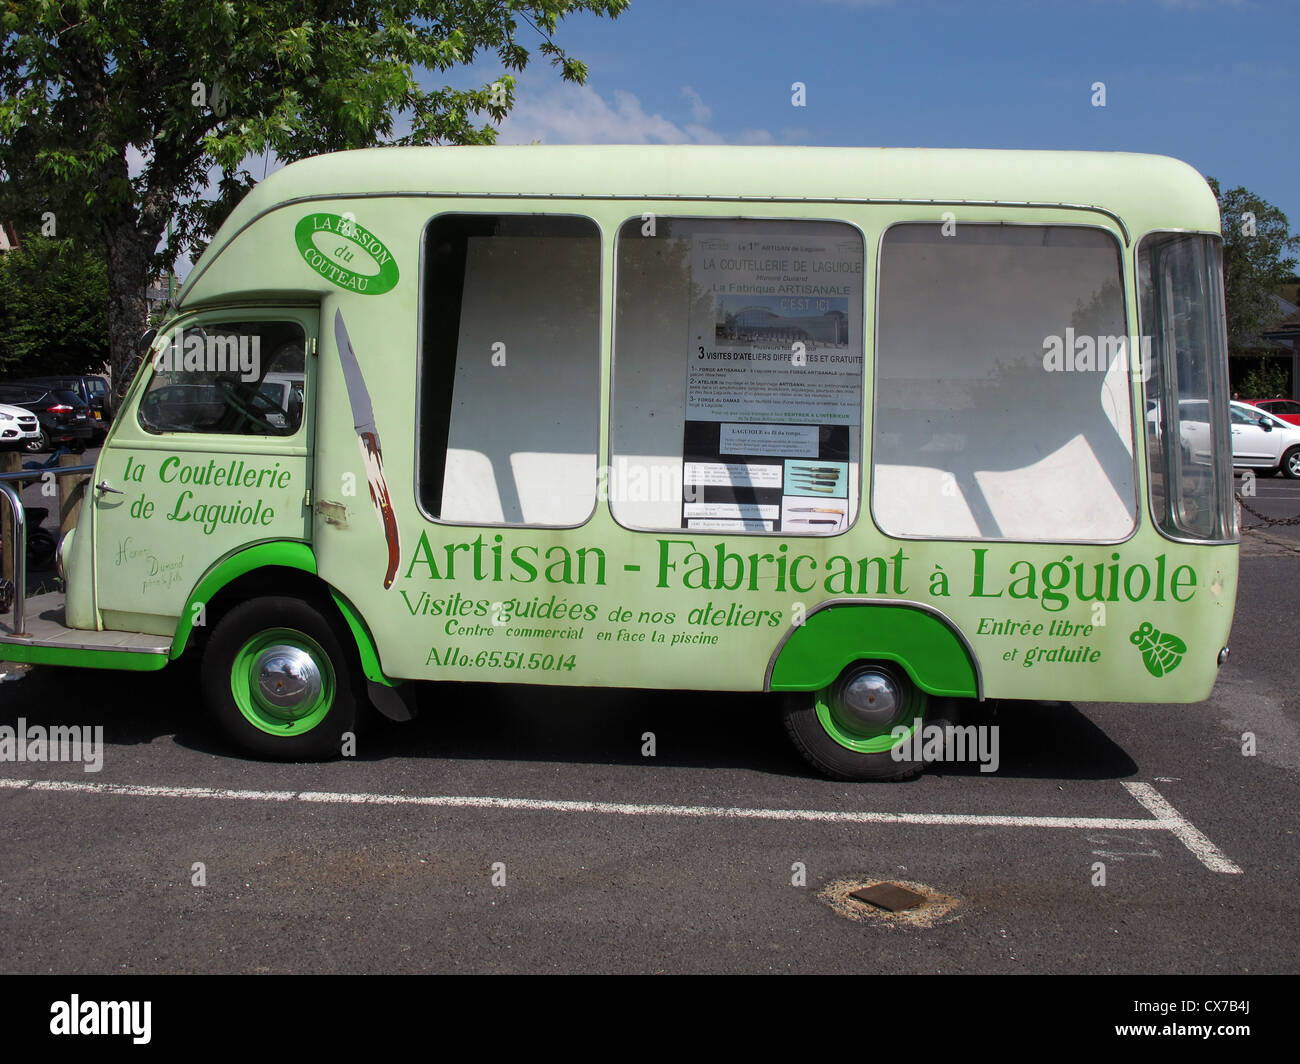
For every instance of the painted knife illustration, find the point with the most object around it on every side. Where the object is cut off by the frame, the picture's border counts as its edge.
(372, 456)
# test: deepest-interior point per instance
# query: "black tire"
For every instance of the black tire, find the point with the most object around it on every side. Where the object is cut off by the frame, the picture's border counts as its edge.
(37, 444)
(1289, 467)
(805, 713)
(241, 639)
(41, 546)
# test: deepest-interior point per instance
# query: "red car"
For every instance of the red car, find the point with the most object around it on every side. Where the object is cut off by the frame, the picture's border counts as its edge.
(1286, 409)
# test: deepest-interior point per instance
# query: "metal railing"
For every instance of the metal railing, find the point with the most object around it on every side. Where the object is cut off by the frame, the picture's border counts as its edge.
(19, 537)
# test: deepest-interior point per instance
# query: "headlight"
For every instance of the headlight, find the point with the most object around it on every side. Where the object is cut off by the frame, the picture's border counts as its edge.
(6, 417)
(65, 541)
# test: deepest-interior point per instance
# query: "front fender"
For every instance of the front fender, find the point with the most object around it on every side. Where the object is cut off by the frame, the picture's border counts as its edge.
(283, 553)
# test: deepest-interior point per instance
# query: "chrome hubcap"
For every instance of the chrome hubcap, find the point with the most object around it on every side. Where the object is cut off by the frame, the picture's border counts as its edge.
(871, 698)
(287, 677)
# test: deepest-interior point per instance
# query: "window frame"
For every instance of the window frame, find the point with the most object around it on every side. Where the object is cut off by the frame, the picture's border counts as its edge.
(866, 297)
(496, 211)
(304, 318)
(1229, 523)
(1126, 275)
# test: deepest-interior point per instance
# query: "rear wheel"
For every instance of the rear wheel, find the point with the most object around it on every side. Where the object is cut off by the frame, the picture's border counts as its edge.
(281, 680)
(859, 727)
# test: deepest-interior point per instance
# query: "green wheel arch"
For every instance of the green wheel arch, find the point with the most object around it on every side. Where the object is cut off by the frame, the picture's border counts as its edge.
(285, 554)
(365, 641)
(924, 643)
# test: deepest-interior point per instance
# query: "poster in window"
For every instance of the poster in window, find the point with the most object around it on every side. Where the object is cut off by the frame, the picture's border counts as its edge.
(773, 383)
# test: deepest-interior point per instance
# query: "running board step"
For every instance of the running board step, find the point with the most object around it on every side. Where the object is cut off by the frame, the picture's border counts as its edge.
(48, 641)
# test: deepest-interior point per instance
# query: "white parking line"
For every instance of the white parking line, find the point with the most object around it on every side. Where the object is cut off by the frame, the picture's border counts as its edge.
(1166, 817)
(1186, 833)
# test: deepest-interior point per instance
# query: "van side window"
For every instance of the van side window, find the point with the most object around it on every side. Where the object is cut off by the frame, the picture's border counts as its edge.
(1189, 443)
(1002, 405)
(509, 414)
(228, 378)
(737, 399)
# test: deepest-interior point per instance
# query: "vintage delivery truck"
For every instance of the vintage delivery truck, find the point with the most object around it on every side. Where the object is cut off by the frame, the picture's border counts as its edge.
(876, 428)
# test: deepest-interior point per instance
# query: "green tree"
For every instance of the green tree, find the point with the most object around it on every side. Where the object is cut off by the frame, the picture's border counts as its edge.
(1264, 380)
(1256, 238)
(192, 91)
(53, 308)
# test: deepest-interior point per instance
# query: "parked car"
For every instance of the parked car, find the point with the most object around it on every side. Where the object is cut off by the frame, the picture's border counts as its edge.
(18, 426)
(64, 419)
(90, 389)
(1286, 409)
(226, 406)
(194, 407)
(286, 390)
(1259, 440)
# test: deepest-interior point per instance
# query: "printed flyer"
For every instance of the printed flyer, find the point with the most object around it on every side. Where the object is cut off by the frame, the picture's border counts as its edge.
(773, 383)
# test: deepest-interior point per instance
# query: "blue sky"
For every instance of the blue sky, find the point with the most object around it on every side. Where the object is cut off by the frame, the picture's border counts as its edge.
(1213, 82)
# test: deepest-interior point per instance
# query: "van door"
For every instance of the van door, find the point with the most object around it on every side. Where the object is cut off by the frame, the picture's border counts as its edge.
(203, 462)
(1252, 443)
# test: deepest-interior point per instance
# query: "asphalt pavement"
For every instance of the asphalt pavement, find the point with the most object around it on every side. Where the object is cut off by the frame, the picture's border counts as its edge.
(512, 829)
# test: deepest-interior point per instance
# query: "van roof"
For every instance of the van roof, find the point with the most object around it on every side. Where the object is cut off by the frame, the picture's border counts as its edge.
(1144, 191)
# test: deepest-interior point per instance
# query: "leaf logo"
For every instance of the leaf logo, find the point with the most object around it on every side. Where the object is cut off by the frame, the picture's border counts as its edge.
(1161, 652)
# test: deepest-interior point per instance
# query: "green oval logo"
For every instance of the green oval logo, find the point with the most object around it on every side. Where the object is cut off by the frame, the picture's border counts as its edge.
(346, 253)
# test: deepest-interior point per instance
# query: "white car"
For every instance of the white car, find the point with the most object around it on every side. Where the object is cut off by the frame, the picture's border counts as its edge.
(17, 426)
(286, 390)
(1262, 441)
(1259, 440)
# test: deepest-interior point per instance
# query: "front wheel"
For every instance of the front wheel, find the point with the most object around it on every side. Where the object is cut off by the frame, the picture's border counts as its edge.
(281, 680)
(1290, 464)
(859, 727)
(41, 546)
(37, 444)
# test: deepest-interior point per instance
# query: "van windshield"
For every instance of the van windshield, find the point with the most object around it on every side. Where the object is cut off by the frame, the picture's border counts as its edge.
(227, 378)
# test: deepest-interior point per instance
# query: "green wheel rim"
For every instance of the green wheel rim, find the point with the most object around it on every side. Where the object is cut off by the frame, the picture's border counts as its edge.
(253, 704)
(853, 736)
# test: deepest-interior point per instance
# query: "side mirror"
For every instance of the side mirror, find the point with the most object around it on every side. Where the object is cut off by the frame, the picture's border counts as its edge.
(1267, 426)
(146, 338)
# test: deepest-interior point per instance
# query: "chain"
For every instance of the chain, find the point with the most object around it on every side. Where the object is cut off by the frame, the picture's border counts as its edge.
(1265, 520)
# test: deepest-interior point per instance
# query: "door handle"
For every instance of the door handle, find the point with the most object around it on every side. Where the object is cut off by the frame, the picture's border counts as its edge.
(103, 486)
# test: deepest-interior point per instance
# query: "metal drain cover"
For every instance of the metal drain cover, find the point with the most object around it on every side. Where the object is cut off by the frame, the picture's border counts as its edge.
(889, 902)
(891, 897)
